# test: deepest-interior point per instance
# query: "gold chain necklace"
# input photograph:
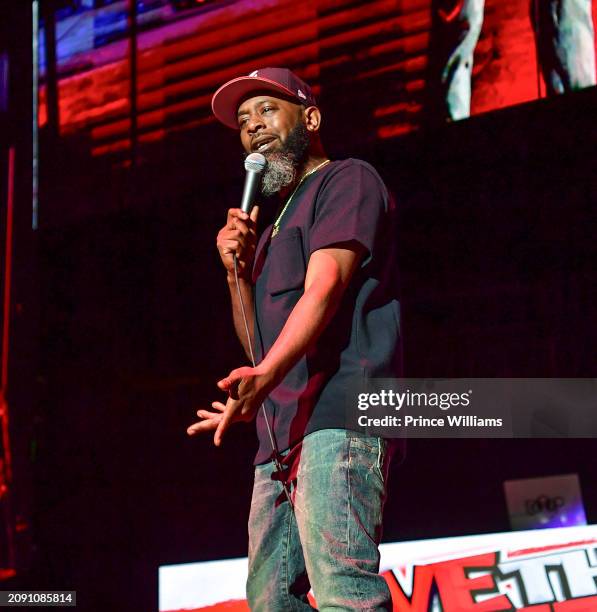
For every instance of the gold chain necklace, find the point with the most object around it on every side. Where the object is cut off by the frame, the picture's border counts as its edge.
(276, 227)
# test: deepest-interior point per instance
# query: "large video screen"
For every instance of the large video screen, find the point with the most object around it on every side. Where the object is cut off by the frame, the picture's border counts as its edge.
(549, 570)
(381, 67)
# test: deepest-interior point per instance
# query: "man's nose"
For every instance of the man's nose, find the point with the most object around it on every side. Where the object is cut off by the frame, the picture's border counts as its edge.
(255, 123)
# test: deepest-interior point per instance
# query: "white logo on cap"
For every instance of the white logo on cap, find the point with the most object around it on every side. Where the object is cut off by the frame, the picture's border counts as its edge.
(254, 73)
(300, 94)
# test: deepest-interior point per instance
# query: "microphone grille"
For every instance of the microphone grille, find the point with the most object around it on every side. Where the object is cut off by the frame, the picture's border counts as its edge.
(255, 162)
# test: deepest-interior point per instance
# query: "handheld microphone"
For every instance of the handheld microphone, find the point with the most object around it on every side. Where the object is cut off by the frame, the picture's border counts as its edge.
(254, 165)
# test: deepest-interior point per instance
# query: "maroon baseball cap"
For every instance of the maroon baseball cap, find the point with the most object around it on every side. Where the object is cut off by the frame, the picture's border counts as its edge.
(228, 98)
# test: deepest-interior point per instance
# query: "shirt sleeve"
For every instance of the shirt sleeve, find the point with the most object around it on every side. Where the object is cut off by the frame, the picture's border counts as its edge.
(351, 206)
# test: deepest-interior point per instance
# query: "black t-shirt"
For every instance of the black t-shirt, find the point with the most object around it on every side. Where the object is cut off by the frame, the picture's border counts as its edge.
(343, 201)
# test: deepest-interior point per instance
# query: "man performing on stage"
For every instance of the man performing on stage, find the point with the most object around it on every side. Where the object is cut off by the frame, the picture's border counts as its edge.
(319, 290)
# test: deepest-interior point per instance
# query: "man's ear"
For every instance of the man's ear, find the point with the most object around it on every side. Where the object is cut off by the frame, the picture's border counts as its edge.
(312, 118)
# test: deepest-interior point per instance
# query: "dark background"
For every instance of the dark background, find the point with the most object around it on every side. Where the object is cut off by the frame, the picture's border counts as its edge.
(121, 328)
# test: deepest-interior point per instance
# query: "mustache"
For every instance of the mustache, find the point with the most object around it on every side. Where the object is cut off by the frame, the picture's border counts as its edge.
(295, 146)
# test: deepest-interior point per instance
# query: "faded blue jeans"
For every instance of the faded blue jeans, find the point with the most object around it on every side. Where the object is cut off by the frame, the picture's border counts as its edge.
(330, 540)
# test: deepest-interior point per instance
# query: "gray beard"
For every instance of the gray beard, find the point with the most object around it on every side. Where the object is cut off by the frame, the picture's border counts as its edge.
(279, 173)
(282, 165)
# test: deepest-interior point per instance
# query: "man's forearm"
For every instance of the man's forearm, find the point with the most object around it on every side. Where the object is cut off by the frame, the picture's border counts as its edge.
(305, 324)
(246, 290)
(328, 274)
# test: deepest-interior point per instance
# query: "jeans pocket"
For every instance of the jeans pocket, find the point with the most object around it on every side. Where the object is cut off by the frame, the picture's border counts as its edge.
(375, 450)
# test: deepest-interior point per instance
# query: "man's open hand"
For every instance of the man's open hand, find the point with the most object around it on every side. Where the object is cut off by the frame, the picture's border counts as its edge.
(247, 388)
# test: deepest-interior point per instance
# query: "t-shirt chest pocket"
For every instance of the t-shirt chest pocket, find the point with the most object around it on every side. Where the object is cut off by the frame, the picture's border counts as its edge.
(286, 266)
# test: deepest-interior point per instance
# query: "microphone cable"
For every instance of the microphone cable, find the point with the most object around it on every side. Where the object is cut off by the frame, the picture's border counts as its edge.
(276, 454)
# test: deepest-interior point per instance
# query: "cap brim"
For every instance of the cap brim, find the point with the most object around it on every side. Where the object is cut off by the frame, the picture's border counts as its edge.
(227, 99)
